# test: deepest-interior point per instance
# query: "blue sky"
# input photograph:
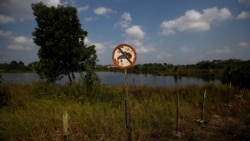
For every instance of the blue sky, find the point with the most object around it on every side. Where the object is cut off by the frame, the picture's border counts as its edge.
(161, 31)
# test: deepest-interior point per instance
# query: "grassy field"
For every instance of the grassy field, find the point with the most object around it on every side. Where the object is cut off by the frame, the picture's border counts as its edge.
(34, 112)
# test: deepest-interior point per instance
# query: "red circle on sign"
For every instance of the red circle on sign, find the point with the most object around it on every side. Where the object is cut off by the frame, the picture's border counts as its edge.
(124, 56)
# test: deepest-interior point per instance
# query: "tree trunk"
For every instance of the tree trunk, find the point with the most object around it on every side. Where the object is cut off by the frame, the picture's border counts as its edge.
(73, 76)
(70, 80)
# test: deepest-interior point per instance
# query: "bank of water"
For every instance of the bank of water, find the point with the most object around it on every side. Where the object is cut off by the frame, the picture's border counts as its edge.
(115, 79)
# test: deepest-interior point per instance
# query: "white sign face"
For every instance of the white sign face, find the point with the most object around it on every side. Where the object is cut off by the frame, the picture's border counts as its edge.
(124, 56)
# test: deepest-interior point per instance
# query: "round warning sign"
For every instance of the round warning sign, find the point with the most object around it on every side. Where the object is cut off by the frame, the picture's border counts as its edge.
(124, 56)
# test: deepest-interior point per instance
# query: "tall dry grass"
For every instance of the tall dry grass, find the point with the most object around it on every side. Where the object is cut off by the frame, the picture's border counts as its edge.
(35, 112)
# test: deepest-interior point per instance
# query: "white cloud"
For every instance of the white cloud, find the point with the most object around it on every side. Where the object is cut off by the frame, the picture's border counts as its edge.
(134, 35)
(135, 32)
(21, 10)
(83, 8)
(126, 16)
(224, 50)
(6, 19)
(88, 19)
(195, 21)
(185, 49)
(86, 40)
(5, 34)
(125, 20)
(103, 11)
(18, 47)
(164, 55)
(244, 44)
(144, 49)
(50, 2)
(245, 2)
(244, 15)
(21, 43)
(23, 40)
(99, 47)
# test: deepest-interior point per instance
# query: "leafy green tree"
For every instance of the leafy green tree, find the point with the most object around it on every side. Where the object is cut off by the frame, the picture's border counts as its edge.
(61, 40)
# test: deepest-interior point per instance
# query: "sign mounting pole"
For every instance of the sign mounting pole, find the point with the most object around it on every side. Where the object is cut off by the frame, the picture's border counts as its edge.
(127, 112)
(124, 56)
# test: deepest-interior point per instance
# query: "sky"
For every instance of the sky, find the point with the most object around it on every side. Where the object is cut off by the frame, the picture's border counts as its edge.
(161, 31)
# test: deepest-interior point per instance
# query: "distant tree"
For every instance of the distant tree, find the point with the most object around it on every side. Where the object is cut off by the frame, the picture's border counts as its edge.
(61, 40)
(1, 79)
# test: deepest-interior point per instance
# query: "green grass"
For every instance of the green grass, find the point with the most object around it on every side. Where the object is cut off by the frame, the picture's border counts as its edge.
(35, 112)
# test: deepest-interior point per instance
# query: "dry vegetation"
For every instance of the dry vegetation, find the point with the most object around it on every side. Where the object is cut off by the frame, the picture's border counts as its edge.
(35, 112)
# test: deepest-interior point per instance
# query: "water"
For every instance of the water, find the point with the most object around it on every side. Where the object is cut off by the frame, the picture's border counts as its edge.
(115, 79)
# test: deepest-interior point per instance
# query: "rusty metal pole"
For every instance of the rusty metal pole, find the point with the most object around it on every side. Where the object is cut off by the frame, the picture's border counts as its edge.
(127, 112)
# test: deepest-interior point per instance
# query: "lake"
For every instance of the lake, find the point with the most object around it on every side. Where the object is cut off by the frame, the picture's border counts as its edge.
(115, 79)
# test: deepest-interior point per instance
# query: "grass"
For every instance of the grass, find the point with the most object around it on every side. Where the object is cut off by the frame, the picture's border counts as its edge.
(35, 112)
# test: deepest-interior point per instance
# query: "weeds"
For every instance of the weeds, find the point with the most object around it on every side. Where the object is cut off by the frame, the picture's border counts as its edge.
(35, 112)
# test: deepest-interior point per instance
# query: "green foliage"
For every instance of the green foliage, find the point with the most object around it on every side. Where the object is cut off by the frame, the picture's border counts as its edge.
(14, 66)
(61, 40)
(1, 78)
(237, 72)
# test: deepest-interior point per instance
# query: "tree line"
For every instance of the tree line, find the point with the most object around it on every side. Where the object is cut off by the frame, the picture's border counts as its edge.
(16, 66)
(62, 51)
(232, 71)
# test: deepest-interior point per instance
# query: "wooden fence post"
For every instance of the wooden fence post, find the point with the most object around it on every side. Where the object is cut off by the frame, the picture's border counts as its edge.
(177, 113)
(65, 126)
(203, 105)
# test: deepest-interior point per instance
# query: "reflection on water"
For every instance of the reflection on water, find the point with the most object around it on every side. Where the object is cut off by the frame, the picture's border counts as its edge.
(116, 78)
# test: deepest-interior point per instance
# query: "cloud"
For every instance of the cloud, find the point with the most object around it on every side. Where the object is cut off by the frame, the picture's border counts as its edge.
(224, 50)
(50, 2)
(21, 43)
(164, 55)
(144, 49)
(195, 21)
(100, 47)
(88, 19)
(244, 45)
(5, 33)
(83, 8)
(185, 49)
(103, 11)
(6, 19)
(244, 15)
(134, 35)
(245, 2)
(21, 10)
(18, 42)
(125, 20)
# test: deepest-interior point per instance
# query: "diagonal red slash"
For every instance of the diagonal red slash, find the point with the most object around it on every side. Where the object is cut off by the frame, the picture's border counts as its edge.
(125, 55)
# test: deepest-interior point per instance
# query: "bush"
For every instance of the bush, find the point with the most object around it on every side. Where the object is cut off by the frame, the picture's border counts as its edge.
(1, 79)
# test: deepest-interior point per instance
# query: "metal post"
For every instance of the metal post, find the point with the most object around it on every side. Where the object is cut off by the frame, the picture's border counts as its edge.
(203, 105)
(228, 94)
(177, 113)
(127, 113)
